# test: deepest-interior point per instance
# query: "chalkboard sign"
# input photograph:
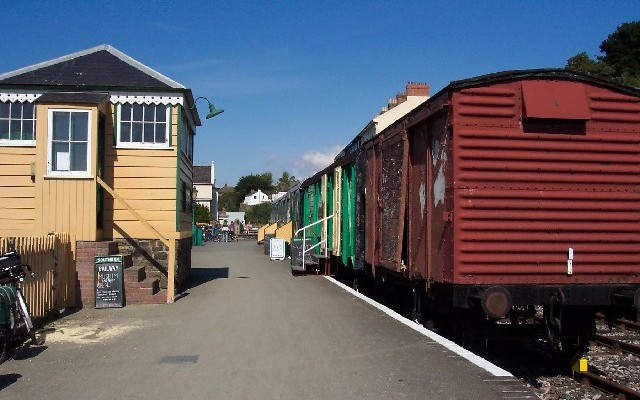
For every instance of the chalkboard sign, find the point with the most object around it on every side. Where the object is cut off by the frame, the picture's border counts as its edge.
(108, 281)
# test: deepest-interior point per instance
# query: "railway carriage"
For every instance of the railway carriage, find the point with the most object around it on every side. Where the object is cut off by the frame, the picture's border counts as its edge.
(499, 194)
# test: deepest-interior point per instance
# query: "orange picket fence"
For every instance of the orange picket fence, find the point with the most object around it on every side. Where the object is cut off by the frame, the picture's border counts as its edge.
(52, 260)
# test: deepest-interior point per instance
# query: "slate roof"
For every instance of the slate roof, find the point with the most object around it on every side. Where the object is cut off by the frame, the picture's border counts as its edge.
(98, 67)
(202, 174)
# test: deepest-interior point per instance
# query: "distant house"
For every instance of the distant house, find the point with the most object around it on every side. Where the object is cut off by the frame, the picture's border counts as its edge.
(255, 197)
(276, 196)
(97, 144)
(206, 193)
(231, 216)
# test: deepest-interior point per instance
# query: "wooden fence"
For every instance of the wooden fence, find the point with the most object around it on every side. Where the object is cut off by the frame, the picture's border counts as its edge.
(52, 259)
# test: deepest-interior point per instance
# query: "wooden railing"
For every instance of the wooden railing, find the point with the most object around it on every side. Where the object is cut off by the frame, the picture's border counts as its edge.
(52, 260)
(169, 242)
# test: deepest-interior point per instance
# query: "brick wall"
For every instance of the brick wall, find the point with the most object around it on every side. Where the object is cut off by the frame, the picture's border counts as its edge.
(85, 275)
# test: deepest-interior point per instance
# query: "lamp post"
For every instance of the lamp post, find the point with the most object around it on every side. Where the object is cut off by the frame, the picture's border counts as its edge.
(213, 111)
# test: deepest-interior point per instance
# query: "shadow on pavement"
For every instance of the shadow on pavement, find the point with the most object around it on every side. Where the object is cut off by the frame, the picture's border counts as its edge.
(26, 352)
(201, 276)
(8, 380)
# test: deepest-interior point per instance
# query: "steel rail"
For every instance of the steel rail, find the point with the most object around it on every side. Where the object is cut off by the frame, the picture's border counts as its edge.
(618, 344)
(607, 385)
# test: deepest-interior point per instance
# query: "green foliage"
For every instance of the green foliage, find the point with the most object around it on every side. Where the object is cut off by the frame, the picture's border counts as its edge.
(620, 59)
(622, 50)
(286, 182)
(248, 183)
(581, 62)
(259, 214)
(203, 214)
(229, 201)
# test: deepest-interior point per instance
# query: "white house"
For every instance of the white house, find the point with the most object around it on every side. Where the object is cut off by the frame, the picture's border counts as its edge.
(205, 192)
(255, 197)
(232, 216)
(276, 196)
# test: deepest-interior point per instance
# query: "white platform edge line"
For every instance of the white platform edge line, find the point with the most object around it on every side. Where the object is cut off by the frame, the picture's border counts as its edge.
(462, 352)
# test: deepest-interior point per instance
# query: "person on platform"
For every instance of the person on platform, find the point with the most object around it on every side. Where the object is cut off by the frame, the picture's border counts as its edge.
(225, 232)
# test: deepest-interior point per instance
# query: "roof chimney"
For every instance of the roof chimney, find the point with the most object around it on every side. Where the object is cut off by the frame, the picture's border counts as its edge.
(417, 89)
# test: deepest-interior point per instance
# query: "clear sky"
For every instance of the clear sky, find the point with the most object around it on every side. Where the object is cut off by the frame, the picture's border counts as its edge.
(298, 80)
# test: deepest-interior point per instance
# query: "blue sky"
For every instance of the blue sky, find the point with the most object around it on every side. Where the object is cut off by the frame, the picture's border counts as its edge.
(298, 80)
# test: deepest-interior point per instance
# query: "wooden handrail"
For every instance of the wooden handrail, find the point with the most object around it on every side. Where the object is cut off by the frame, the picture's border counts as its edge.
(132, 211)
(170, 243)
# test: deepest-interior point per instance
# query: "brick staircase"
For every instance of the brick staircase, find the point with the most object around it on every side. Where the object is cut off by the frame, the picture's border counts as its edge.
(138, 287)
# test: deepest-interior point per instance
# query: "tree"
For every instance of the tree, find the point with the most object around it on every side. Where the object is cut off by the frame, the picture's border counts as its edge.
(286, 182)
(581, 62)
(203, 214)
(259, 214)
(620, 59)
(622, 51)
(229, 201)
(248, 183)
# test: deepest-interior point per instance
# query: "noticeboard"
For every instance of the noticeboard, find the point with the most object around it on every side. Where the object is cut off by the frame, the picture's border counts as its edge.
(276, 248)
(109, 281)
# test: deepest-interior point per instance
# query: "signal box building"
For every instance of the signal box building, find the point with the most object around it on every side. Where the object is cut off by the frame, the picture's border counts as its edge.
(98, 145)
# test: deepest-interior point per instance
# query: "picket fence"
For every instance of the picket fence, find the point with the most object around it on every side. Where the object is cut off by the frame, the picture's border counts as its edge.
(52, 261)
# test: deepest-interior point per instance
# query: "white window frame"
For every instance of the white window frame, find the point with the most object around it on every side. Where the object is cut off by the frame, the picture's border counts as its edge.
(144, 145)
(69, 174)
(21, 142)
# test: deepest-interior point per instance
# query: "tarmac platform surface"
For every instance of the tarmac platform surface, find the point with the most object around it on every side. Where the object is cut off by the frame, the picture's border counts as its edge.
(246, 329)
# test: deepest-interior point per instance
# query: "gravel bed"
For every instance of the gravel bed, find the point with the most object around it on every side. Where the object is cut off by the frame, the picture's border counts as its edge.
(622, 368)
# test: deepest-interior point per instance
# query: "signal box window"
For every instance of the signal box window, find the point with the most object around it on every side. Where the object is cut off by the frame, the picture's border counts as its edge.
(69, 143)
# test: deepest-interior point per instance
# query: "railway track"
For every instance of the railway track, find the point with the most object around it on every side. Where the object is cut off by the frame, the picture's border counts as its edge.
(607, 385)
(618, 345)
(614, 361)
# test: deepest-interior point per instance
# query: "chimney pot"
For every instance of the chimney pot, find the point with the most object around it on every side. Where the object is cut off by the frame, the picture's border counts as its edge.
(417, 89)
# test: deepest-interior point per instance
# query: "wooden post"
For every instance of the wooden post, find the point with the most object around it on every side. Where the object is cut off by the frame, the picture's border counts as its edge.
(171, 271)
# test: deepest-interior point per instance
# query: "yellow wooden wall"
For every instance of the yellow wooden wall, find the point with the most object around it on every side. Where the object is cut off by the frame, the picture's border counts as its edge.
(146, 179)
(17, 191)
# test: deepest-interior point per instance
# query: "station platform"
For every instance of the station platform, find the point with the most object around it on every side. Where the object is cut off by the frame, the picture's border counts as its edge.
(246, 328)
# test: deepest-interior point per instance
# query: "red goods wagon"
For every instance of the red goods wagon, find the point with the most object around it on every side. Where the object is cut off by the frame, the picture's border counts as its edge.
(513, 190)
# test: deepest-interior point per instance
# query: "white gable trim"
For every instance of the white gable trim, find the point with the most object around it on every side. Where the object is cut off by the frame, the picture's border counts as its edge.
(146, 98)
(21, 97)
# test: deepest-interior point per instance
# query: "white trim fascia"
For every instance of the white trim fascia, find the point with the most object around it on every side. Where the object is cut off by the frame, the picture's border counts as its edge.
(146, 98)
(117, 53)
(18, 95)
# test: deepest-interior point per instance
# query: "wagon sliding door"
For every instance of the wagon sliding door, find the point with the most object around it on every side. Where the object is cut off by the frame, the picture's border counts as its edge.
(392, 201)
(370, 220)
(419, 206)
